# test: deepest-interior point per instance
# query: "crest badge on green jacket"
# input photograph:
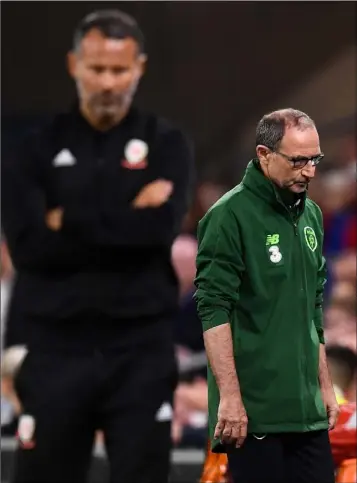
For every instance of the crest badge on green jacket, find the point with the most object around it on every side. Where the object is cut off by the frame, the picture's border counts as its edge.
(310, 238)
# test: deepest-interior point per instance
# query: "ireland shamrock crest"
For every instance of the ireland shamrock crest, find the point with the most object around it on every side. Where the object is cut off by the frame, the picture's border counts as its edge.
(310, 238)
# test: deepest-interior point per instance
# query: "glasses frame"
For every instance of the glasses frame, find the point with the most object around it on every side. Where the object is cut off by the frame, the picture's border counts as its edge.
(315, 160)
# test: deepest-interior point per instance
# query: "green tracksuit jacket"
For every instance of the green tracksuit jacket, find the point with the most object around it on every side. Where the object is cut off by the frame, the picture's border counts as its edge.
(260, 267)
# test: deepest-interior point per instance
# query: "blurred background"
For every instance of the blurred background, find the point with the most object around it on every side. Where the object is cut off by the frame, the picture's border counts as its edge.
(214, 68)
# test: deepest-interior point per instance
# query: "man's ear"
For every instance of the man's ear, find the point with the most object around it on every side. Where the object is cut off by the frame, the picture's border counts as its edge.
(262, 153)
(72, 63)
(142, 63)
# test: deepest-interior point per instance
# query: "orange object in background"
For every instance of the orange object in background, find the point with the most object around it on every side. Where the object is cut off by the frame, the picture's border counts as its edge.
(347, 473)
(344, 437)
(215, 467)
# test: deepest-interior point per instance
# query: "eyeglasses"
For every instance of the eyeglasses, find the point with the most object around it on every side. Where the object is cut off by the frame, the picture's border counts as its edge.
(300, 162)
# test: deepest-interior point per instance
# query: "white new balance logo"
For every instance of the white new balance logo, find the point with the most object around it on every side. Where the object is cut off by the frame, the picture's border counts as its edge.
(64, 158)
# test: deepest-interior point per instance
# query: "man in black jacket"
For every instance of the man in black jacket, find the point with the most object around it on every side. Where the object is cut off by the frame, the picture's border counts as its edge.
(91, 206)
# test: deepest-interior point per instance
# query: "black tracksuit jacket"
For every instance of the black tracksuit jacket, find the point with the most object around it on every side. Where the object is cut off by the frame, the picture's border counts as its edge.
(108, 260)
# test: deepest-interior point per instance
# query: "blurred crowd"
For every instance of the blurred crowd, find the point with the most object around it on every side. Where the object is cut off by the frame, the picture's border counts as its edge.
(334, 189)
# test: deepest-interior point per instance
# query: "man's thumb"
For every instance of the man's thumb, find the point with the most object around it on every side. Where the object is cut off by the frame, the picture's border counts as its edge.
(332, 419)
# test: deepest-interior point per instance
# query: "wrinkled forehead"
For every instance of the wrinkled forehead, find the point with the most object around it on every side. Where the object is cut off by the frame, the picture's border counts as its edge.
(301, 142)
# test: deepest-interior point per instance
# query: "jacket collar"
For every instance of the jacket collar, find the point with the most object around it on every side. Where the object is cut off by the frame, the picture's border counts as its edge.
(255, 180)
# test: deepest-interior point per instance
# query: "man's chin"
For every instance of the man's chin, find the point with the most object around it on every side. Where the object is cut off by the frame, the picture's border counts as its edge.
(108, 116)
(107, 111)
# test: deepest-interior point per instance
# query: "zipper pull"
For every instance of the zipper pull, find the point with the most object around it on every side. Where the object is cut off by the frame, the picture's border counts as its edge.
(295, 228)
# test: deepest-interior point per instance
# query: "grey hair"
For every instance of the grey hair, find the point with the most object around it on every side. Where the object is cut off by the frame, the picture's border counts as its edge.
(271, 128)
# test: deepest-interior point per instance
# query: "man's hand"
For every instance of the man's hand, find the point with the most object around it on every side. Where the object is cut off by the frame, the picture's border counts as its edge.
(154, 194)
(327, 390)
(54, 219)
(232, 422)
(332, 407)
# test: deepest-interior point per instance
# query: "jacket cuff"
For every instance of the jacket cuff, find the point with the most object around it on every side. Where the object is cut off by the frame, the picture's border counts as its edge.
(216, 318)
(320, 333)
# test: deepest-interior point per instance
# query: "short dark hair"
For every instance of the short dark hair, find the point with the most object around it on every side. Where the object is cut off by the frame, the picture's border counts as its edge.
(271, 128)
(345, 358)
(113, 24)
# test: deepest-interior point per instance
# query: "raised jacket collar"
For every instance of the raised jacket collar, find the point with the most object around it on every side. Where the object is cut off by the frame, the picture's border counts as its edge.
(265, 189)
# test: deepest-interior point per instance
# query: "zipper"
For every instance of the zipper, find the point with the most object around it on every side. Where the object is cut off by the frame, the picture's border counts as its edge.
(293, 222)
(305, 413)
(306, 369)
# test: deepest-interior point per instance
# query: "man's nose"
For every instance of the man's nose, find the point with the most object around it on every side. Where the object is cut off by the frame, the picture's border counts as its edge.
(309, 170)
(107, 80)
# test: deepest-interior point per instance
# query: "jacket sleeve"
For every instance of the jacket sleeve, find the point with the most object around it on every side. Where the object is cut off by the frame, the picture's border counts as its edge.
(31, 244)
(219, 267)
(321, 281)
(128, 226)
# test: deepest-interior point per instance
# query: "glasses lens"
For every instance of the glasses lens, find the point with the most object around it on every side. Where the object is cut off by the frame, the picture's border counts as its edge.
(300, 163)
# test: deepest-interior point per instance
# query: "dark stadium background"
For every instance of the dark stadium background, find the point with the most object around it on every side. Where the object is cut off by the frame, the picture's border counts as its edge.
(214, 67)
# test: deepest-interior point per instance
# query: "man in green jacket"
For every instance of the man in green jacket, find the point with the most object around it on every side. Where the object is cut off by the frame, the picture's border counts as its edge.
(260, 280)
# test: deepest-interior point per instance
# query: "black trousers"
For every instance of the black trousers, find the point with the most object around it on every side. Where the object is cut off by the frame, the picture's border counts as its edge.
(69, 396)
(281, 458)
